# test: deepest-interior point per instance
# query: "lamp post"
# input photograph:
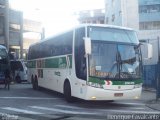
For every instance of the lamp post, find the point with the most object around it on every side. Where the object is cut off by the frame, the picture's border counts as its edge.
(6, 24)
(158, 76)
(21, 35)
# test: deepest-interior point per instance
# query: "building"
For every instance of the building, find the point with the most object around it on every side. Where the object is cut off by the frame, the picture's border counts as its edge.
(122, 13)
(141, 15)
(149, 19)
(13, 27)
(92, 16)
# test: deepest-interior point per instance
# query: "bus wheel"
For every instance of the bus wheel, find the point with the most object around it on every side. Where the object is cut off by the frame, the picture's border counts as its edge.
(67, 92)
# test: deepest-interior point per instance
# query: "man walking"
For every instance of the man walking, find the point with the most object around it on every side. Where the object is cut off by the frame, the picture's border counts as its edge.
(7, 78)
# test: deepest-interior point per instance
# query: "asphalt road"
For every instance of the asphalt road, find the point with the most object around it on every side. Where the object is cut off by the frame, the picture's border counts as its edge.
(21, 102)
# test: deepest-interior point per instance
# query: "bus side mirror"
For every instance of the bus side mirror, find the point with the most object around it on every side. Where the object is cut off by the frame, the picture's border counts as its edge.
(150, 50)
(147, 50)
(87, 44)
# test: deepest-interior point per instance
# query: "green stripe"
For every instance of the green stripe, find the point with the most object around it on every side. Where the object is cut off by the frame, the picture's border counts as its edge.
(59, 62)
(56, 63)
(96, 80)
(31, 64)
(127, 82)
(115, 82)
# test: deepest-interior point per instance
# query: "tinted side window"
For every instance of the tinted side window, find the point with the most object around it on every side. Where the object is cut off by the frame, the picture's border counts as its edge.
(59, 45)
(33, 52)
(80, 60)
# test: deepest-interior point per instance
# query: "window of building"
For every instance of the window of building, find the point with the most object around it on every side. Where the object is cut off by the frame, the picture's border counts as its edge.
(149, 8)
(101, 21)
(149, 25)
(107, 20)
(120, 13)
(113, 18)
(113, 3)
(94, 21)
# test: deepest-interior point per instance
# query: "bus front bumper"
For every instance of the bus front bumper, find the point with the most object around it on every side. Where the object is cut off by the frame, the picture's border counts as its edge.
(102, 94)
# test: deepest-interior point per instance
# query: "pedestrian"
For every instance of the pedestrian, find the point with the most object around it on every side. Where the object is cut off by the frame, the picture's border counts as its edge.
(7, 78)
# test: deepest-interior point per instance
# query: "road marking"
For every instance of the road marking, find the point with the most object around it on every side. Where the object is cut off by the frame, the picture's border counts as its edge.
(32, 98)
(142, 104)
(23, 118)
(140, 108)
(66, 106)
(103, 109)
(21, 110)
(62, 111)
(6, 116)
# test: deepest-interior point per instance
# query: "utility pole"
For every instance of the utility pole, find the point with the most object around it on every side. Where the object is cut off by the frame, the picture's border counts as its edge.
(43, 33)
(158, 76)
(6, 25)
(21, 35)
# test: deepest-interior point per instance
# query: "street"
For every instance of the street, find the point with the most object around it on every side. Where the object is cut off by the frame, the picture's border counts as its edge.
(23, 103)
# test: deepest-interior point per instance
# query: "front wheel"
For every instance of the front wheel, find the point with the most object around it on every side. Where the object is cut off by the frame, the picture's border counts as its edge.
(67, 92)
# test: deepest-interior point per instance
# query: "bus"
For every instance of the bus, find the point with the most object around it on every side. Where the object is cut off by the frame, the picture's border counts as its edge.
(4, 63)
(90, 62)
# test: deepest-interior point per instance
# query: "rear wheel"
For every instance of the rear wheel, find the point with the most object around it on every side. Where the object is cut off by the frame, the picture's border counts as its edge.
(67, 92)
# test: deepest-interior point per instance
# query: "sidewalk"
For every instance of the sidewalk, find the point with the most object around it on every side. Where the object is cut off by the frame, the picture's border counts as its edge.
(149, 97)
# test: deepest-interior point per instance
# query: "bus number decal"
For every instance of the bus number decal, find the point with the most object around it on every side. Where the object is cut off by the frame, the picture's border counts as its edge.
(57, 73)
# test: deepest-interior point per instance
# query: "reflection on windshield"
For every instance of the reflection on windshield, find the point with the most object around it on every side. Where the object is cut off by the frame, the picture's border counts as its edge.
(112, 34)
(3, 52)
(3, 56)
(114, 61)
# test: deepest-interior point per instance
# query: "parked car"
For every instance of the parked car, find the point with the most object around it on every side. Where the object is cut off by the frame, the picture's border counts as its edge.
(19, 70)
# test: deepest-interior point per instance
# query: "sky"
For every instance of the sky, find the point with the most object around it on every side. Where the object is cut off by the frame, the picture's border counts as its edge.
(56, 15)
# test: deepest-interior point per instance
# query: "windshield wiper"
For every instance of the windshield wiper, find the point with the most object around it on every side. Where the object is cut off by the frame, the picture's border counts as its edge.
(128, 61)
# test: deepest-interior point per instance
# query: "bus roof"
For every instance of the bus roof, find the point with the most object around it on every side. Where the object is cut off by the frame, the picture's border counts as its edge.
(84, 25)
(105, 26)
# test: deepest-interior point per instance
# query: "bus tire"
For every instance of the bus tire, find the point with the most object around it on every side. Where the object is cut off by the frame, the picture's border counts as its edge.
(67, 92)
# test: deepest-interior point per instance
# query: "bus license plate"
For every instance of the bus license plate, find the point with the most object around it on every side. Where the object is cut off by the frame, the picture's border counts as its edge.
(118, 94)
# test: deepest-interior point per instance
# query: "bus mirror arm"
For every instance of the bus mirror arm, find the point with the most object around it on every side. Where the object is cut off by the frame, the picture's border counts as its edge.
(87, 44)
(147, 50)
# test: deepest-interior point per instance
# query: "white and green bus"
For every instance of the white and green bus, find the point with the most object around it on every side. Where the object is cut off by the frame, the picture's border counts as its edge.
(91, 62)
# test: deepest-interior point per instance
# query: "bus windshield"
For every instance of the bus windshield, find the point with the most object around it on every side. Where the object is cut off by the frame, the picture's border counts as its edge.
(113, 61)
(115, 55)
